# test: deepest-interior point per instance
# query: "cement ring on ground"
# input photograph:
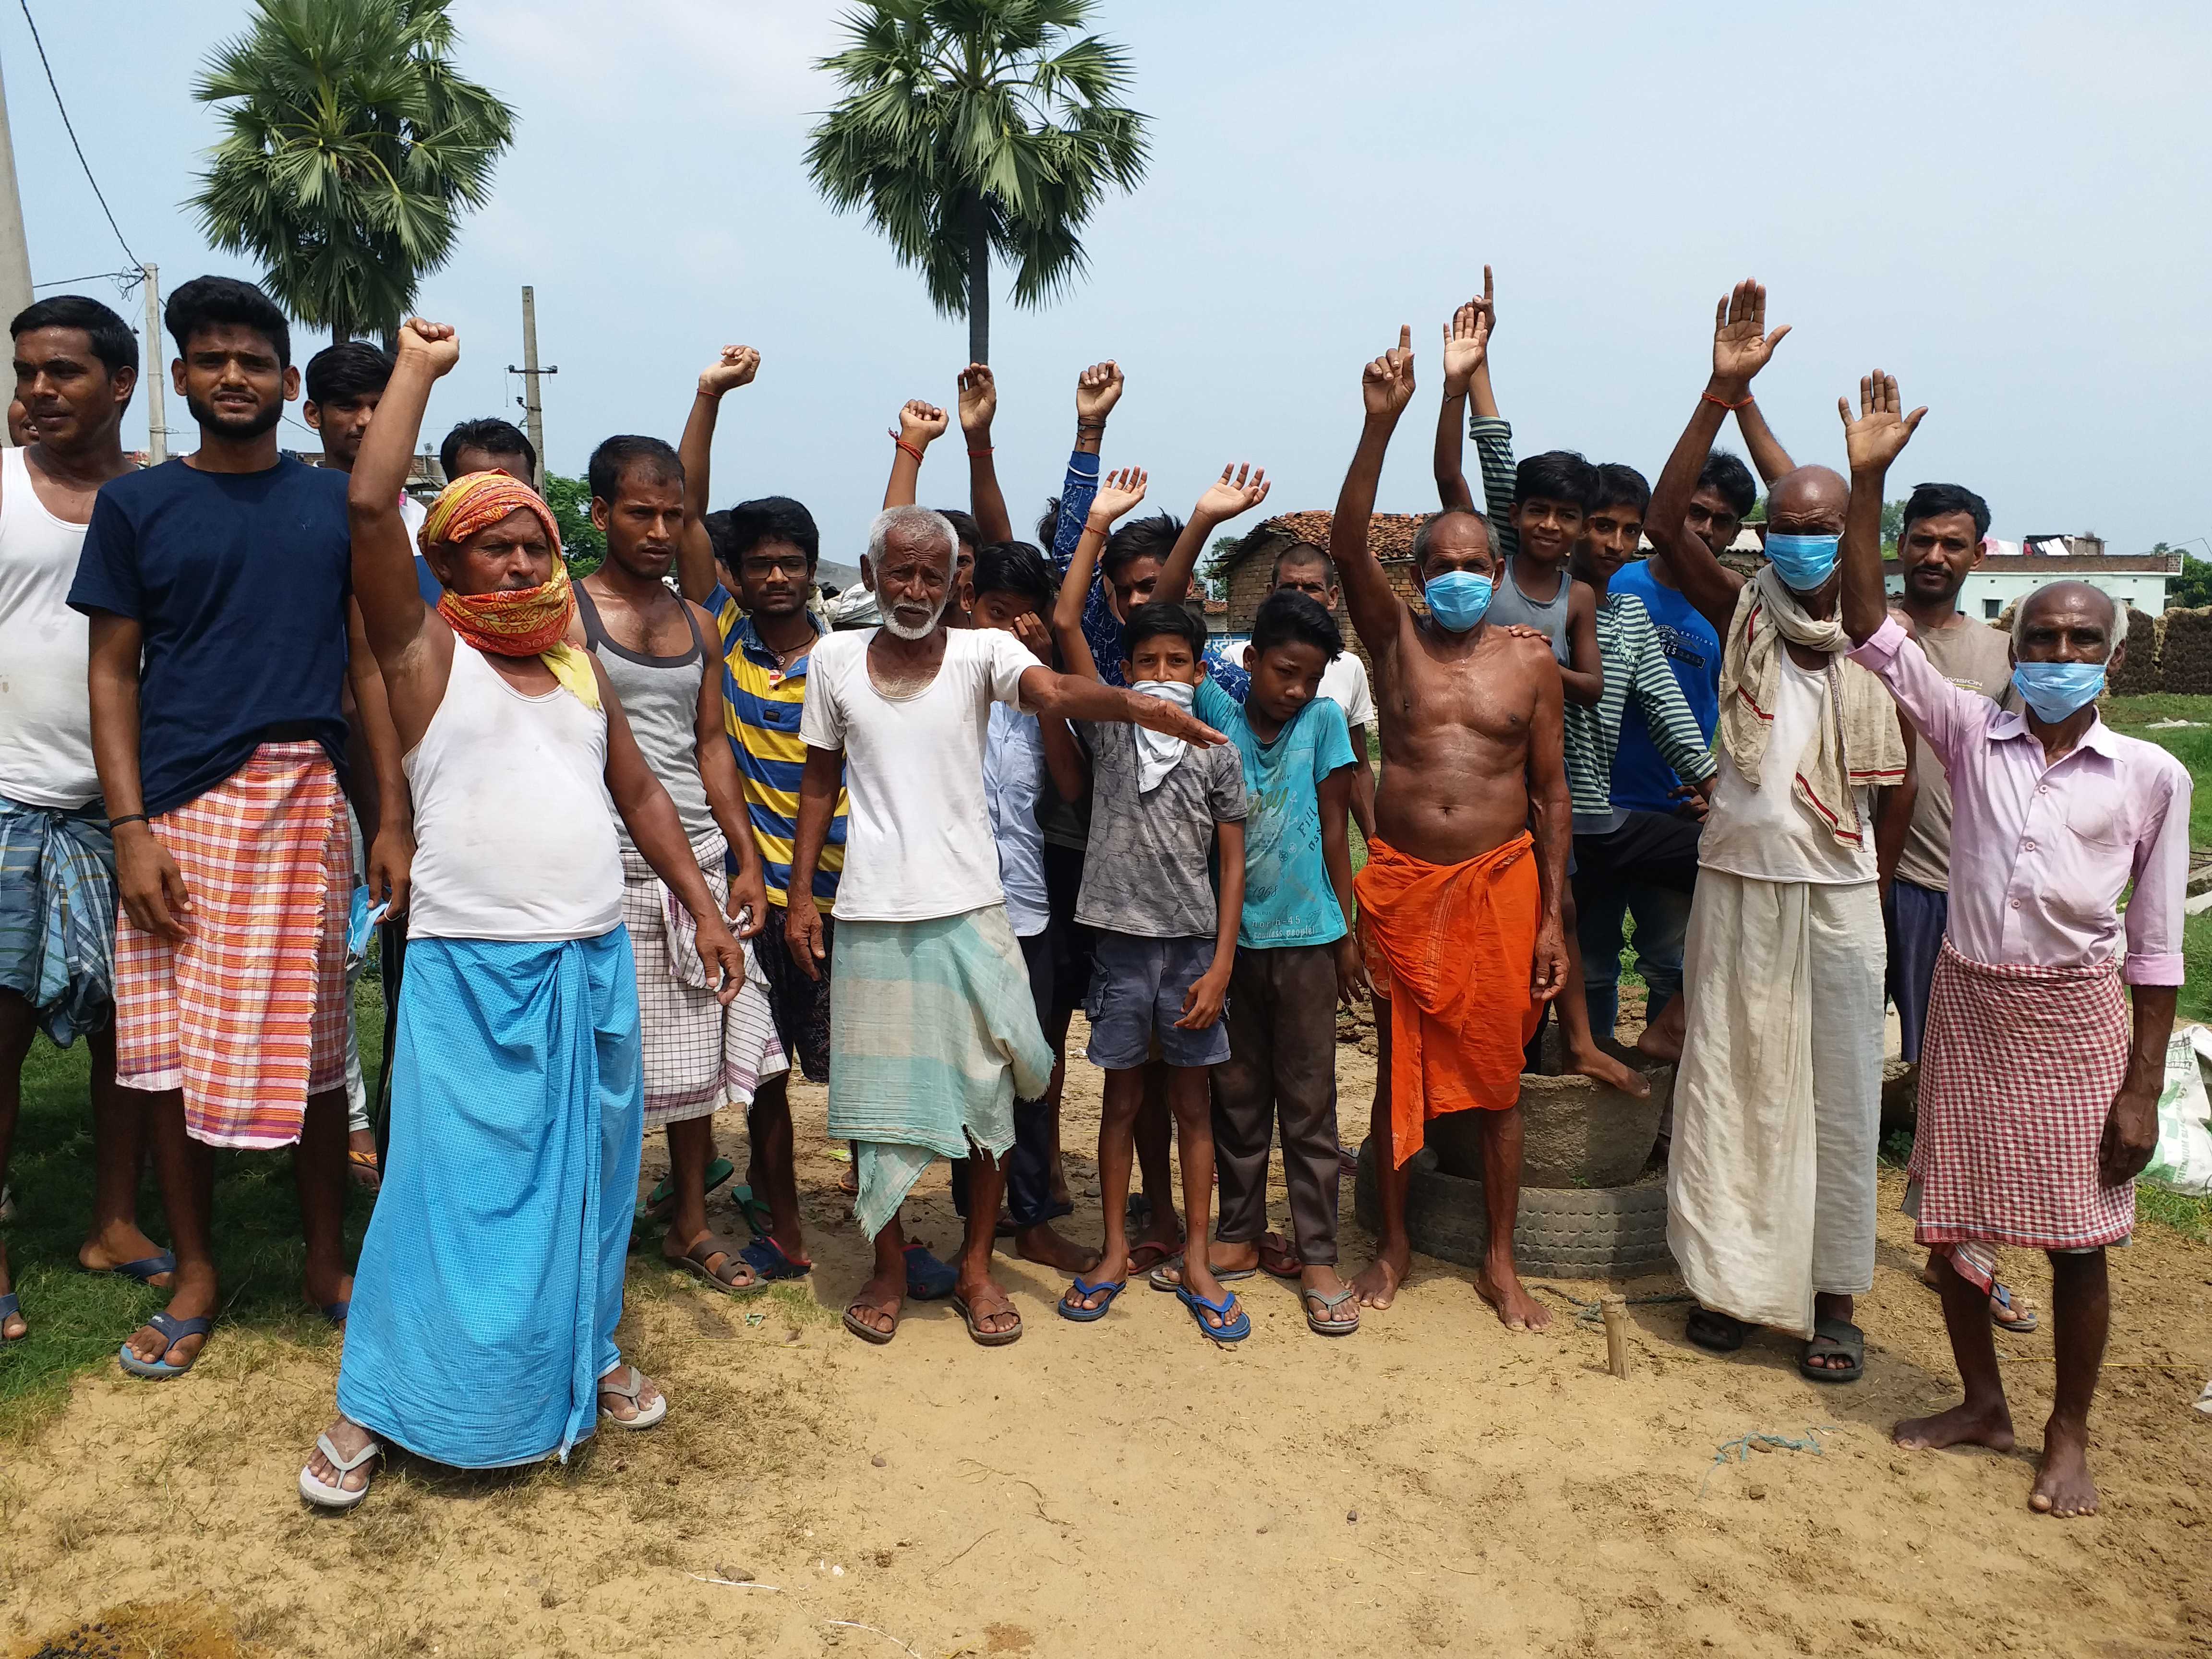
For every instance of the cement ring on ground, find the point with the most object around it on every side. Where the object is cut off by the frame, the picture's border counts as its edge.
(1575, 1232)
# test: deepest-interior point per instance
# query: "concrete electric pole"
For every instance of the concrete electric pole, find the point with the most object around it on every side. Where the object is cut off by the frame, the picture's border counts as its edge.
(15, 251)
(153, 370)
(533, 405)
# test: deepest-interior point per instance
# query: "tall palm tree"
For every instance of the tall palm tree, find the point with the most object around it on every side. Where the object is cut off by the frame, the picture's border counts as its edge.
(970, 126)
(352, 145)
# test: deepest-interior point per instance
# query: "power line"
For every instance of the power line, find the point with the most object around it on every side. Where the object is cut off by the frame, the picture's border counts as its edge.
(70, 127)
(126, 280)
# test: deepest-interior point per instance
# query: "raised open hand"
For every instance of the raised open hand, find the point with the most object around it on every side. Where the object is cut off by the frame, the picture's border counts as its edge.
(1232, 495)
(1118, 492)
(979, 399)
(1882, 430)
(1741, 344)
(1466, 338)
(1098, 389)
(736, 367)
(1387, 384)
(921, 422)
(434, 344)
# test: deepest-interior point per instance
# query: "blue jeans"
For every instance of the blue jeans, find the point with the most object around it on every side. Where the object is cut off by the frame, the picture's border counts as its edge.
(1662, 919)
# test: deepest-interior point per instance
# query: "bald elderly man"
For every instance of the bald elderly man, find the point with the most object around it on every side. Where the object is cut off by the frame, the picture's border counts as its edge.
(1771, 1179)
(2038, 1106)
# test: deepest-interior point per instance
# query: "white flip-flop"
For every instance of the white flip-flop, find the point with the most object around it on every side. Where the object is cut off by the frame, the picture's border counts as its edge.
(630, 1389)
(325, 1496)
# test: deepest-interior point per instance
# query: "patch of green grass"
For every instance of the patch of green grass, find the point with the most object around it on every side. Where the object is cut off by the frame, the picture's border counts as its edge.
(78, 1319)
(2125, 711)
(2195, 1001)
(2189, 1217)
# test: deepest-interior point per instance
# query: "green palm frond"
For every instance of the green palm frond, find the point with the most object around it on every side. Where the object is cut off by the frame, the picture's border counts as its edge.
(352, 146)
(998, 107)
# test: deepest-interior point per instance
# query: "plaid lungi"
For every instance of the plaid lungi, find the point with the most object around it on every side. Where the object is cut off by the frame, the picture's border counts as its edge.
(248, 1015)
(57, 916)
(699, 1054)
(2017, 1076)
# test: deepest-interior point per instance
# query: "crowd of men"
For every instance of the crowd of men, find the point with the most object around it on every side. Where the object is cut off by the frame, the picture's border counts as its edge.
(633, 845)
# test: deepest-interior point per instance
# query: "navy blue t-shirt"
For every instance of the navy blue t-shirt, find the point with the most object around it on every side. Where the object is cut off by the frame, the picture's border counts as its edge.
(238, 581)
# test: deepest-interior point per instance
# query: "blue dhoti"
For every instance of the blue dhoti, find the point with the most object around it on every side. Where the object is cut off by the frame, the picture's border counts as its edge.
(491, 1280)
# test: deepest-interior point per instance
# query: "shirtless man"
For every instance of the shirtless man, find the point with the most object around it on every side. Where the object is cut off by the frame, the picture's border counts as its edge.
(1471, 718)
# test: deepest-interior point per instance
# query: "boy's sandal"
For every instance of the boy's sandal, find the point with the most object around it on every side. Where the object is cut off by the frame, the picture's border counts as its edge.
(2023, 1321)
(771, 1262)
(1714, 1330)
(10, 1308)
(660, 1202)
(1230, 1329)
(173, 1331)
(984, 1338)
(760, 1220)
(1071, 1304)
(1149, 1253)
(1317, 1320)
(928, 1279)
(868, 1333)
(334, 1313)
(1831, 1337)
(328, 1496)
(145, 1269)
(627, 1382)
(1160, 1280)
(716, 1260)
(1280, 1258)
(368, 1174)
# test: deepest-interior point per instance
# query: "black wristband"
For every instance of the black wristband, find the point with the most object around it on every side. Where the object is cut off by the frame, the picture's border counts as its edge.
(114, 824)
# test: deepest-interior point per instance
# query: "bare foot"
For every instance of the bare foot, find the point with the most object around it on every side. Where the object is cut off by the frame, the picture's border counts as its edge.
(1379, 1281)
(622, 1408)
(1962, 1426)
(1041, 1244)
(105, 1251)
(12, 1328)
(1599, 1066)
(348, 1437)
(1500, 1287)
(1663, 1038)
(1322, 1281)
(2063, 1486)
(876, 1304)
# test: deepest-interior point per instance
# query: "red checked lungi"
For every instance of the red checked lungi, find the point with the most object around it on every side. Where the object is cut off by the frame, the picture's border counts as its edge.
(248, 1014)
(2017, 1075)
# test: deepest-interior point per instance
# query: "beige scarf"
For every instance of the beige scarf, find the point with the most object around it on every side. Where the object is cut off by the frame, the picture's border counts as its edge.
(1857, 744)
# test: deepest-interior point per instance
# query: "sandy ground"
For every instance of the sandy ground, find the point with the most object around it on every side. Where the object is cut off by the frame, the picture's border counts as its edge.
(1432, 1483)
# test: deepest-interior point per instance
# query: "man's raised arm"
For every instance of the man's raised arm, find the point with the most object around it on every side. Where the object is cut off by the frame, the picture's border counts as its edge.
(392, 610)
(1872, 442)
(1118, 495)
(1386, 385)
(1467, 343)
(695, 554)
(1240, 489)
(920, 423)
(979, 406)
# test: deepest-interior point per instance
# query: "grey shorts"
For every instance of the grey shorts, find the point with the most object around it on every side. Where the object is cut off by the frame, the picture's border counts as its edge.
(1137, 989)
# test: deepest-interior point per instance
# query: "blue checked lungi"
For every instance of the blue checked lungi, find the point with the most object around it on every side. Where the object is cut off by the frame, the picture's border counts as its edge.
(491, 1280)
(57, 916)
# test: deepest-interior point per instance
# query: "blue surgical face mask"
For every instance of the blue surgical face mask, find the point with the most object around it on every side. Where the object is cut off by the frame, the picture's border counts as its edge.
(2055, 689)
(1457, 600)
(1803, 563)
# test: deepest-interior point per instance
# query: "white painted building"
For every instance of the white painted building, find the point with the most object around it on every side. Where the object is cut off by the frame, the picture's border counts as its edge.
(2007, 573)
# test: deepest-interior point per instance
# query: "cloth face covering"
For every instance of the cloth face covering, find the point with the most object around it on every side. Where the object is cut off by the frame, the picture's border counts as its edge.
(1802, 562)
(1158, 754)
(2055, 689)
(1457, 600)
(527, 622)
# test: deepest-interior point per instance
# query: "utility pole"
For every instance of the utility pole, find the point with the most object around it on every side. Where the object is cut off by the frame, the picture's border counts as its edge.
(150, 373)
(15, 251)
(533, 405)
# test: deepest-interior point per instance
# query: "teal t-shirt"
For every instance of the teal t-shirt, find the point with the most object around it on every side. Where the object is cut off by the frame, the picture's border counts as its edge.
(1287, 896)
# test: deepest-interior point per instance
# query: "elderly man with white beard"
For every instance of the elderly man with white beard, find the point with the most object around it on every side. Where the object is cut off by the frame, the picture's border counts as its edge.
(932, 1034)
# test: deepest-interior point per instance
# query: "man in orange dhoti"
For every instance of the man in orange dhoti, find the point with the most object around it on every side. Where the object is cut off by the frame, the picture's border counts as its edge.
(1460, 902)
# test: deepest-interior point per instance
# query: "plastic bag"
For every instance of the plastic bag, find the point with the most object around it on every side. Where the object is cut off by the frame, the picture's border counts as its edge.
(2183, 1162)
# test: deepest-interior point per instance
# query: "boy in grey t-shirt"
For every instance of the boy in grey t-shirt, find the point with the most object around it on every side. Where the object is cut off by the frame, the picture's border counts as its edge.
(1165, 946)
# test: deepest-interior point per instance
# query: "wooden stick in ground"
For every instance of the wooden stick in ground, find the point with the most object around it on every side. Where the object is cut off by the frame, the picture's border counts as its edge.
(1613, 1310)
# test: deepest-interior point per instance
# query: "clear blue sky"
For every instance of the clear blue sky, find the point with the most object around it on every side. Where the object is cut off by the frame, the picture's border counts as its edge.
(2007, 207)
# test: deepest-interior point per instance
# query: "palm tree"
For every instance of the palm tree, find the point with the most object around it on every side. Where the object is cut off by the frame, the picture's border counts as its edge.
(353, 145)
(975, 125)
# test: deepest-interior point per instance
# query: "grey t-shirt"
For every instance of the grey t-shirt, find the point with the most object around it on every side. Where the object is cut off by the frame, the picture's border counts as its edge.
(1145, 873)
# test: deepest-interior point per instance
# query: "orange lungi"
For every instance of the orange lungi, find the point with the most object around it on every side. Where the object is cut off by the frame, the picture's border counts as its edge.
(248, 1014)
(1452, 947)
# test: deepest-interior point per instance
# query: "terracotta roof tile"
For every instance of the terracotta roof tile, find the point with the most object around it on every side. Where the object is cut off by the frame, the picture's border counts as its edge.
(1391, 535)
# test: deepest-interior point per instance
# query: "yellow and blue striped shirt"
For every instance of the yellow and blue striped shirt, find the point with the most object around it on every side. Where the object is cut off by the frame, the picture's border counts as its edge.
(761, 704)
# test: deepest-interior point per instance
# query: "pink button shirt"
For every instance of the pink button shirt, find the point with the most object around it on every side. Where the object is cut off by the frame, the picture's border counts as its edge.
(2041, 854)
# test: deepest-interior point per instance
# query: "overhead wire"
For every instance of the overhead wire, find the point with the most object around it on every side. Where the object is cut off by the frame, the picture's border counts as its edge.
(70, 127)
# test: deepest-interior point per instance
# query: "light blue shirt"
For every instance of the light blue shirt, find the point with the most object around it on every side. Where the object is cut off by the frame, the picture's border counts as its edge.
(1287, 896)
(1013, 779)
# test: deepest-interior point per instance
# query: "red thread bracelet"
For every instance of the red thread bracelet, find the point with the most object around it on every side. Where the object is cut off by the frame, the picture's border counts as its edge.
(978, 455)
(1724, 402)
(903, 444)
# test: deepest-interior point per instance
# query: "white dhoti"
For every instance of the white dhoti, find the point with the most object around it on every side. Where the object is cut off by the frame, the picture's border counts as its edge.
(1777, 1102)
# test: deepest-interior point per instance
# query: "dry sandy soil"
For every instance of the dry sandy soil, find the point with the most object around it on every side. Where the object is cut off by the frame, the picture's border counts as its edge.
(1432, 1483)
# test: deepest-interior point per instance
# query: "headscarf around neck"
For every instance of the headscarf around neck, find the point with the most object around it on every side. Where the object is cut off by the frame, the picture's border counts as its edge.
(531, 622)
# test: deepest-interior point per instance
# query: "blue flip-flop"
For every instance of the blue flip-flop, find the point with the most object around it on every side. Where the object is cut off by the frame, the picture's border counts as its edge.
(336, 1311)
(928, 1279)
(1082, 1289)
(768, 1259)
(11, 1309)
(1230, 1330)
(173, 1330)
(146, 1268)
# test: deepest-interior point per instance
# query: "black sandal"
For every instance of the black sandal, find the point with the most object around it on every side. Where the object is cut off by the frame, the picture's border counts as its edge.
(1714, 1332)
(1843, 1337)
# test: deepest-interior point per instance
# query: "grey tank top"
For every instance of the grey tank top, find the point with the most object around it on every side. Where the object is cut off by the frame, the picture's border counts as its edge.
(1509, 604)
(661, 697)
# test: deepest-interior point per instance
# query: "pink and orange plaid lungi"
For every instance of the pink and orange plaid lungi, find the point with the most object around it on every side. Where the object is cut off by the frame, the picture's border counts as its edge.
(248, 1014)
(2017, 1075)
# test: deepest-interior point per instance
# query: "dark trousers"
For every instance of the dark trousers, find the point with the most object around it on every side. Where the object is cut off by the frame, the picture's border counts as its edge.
(1281, 1066)
(391, 968)
(1029, 1166)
